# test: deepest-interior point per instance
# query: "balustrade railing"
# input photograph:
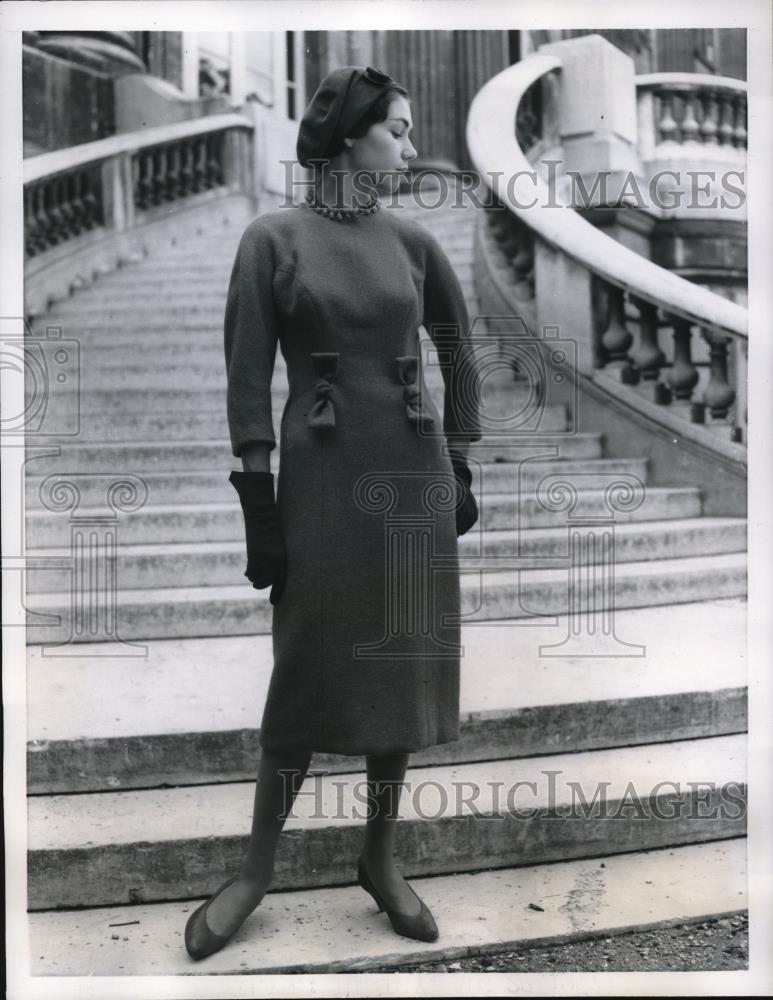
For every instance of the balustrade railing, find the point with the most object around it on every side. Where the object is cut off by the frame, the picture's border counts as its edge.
(60, 207)
(692, 108)
(515, 240)
(176, 170)
(628, 341)
(114, 182)
(646, 326)
(528, 117)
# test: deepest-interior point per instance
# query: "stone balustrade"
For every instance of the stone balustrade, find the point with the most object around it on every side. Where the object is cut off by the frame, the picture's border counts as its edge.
(685, 108)
(91, 207)
(671, 350)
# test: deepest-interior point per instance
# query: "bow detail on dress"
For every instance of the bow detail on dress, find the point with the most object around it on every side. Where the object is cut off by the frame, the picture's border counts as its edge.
(322, 414)
(407, 370)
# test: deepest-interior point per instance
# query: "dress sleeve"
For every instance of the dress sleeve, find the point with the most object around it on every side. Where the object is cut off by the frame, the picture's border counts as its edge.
(251, 336)
(447, 322)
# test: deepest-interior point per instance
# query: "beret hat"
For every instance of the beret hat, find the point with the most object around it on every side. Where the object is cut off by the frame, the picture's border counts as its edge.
(341, 99)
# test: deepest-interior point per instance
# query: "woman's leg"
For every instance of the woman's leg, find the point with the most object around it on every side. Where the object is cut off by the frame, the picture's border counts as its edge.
(386, 774)
(280, 776)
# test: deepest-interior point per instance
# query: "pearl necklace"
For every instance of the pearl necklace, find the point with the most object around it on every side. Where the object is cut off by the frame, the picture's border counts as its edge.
(342, 214)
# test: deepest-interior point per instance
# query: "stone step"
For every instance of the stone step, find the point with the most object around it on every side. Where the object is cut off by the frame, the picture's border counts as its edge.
(110, 720)
(491, 477)
(210, 300)
(203, 369)
(339, 930)
(112, 848)
(221, 564)
(174, 398)
(191, 522)
(126, 325)
(183, 456)
(167, 284)
(96, 425)
(109, 389)
(196, 298)
(241, 610)
(165, 275)
(454, 233)
(101, 341)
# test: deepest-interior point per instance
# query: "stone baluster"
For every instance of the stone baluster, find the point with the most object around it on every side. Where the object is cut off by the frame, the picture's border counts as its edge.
(214, 160)
(65, 204)
(683, 375)
(528, 117)
(709, 126)
(92, 202)
(616, 339)
(144, 181)
(523, 262)
(173, 172)
(79, 209)
(199, 164)
(511, 237)
(186, 171)
(497, 218)
(55, 219)
(719, 394)
(668, 129)
(725, 128)
(505, 233)
(159, 176)
(739, 130)
(690, 126)
(647, 355)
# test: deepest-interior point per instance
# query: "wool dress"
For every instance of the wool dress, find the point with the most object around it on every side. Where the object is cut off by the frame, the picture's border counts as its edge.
(366, 635)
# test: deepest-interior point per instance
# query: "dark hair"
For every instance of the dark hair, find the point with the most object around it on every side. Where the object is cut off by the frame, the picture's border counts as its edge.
(376, 113)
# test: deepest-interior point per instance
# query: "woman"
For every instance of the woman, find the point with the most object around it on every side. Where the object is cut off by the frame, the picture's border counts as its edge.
(359, 546)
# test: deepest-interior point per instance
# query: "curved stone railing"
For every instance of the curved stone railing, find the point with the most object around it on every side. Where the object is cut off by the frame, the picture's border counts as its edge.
(630, 300)
(81, 203)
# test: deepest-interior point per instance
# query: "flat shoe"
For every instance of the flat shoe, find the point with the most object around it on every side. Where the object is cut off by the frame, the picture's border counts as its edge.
(197, 929)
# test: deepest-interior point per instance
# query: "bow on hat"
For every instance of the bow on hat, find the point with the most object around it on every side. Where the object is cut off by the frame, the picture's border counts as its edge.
(340, 101)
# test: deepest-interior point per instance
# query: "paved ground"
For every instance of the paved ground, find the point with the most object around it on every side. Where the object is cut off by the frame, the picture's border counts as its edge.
(709, 945)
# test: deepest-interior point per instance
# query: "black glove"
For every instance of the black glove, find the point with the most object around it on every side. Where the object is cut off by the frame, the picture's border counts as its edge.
(266, 556)
(466, 504)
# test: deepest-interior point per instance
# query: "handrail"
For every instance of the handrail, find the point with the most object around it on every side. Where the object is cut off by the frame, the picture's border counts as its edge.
(499, 160)
(36, 168)
(692, 81)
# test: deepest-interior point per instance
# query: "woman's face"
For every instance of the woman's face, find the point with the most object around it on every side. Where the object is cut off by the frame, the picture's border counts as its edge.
(385, 147)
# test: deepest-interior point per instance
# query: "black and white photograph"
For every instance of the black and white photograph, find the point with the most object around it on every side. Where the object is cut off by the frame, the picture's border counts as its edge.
(386, 535)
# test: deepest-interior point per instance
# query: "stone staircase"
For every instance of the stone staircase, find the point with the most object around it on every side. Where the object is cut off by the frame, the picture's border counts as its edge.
(155, 722)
